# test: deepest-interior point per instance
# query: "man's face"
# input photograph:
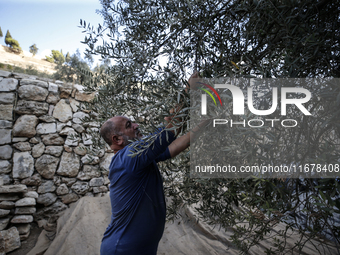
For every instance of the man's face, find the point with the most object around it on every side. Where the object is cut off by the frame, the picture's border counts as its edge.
(129, 129)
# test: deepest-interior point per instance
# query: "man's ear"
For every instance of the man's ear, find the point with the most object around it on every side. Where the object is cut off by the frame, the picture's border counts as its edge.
(117, 140)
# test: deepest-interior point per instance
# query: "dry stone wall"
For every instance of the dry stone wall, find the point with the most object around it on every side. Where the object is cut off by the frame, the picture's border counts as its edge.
(44, 164)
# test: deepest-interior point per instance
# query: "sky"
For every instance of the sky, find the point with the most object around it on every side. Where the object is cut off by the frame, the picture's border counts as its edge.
(50, 24)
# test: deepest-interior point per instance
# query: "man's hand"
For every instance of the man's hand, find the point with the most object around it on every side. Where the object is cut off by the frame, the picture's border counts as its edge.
(192, 82)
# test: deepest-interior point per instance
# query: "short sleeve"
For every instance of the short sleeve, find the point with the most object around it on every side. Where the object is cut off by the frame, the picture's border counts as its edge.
(159, 151)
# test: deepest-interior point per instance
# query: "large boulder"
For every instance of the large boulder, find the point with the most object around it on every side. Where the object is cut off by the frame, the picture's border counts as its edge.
(31, 107)
(62, 111)
(23, 165)
(69, 165)
(10, 240)
(9, 84)
(25, 126)
(32, 92)
(42, 84)
(46, 166)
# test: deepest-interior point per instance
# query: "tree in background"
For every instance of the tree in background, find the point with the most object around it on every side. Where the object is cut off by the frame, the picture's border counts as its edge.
(67, 57)
(74, 69)
(56, 57)
(34, 49)
(7, 37)
(103, 66)
(14, 44)
(267, 39)
(1, 35)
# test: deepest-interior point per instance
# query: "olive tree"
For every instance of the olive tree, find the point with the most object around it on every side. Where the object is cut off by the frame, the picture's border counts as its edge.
(154, 46)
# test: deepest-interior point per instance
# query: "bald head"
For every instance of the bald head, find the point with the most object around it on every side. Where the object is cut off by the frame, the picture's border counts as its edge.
(109, 129)
(119, 126)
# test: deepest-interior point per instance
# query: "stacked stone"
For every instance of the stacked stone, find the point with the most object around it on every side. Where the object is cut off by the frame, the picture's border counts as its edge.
(43, 146)
(17, 207)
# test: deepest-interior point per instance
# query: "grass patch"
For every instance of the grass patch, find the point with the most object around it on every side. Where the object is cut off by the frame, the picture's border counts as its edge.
(30, 70)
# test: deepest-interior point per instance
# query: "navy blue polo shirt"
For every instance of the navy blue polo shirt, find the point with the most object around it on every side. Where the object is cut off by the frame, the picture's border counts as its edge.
(137, 200)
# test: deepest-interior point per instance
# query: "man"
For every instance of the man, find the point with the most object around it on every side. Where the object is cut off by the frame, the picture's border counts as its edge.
(136, 188)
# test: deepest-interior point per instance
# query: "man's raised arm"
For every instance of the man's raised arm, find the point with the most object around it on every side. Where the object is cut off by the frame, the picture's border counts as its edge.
(183, 142)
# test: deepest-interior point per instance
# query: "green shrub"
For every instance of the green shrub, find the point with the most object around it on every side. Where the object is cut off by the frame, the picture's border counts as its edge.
(31, 70)
(18, 69)
(14, 44)
(56, 57)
